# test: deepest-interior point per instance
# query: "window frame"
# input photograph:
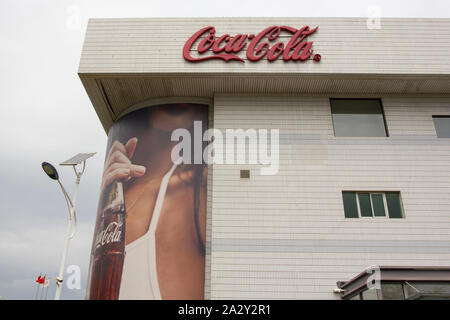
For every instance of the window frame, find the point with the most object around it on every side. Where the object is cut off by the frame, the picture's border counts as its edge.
(386, 129)
(402, 208)
(386, 208)
(386, 212)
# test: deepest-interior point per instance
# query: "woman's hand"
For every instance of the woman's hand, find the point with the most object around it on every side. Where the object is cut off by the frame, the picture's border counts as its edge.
(118, 164)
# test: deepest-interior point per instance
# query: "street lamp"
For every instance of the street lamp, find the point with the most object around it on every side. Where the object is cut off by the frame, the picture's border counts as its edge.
(51, 171)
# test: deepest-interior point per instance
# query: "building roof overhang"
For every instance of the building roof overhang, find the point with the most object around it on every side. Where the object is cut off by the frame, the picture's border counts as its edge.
(113, 94)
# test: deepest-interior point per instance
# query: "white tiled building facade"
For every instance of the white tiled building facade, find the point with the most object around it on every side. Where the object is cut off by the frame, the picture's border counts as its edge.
(285, 236)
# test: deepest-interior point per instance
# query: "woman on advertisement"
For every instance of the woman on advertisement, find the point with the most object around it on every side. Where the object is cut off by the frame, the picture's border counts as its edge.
(165, 205)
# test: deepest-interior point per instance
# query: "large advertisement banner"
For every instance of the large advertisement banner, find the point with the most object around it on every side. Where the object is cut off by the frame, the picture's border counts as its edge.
(149, 238)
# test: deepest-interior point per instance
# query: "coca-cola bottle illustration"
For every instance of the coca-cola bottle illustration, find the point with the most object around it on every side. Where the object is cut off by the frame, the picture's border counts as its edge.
(108, 250)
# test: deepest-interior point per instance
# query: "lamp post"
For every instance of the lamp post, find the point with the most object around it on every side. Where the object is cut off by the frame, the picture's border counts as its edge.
(51, 171)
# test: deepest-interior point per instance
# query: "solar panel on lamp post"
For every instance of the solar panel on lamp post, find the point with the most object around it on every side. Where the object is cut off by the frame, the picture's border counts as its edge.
(51, 171)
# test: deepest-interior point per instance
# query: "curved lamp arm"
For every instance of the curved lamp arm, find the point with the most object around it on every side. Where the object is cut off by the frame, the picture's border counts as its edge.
(71, 207)
(65, 194)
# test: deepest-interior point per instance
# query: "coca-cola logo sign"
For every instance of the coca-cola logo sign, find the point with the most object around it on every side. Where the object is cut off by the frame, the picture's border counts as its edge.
(112, 233)
(266, 44)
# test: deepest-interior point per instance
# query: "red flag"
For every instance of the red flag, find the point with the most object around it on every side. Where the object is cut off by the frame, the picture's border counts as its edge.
(40, 280)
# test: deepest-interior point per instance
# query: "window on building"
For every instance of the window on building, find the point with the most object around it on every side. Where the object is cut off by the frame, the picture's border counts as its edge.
(392, 291)
(369, 294)
(398, 283)
(358, 118)
(442, 126)
(427, 290)
(372, 204)
(406, 290)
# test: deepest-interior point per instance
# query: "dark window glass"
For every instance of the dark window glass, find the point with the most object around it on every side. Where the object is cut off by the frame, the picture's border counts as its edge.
(392, 291)
(436, 290)
(358, 118)
(394, 205)
(378, 205)
(364, 204)
(442, 126)
(350, 206)
(370, 294)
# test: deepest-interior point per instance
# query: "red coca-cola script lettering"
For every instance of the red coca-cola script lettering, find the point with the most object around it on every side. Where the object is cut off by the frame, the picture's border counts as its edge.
(266, 44)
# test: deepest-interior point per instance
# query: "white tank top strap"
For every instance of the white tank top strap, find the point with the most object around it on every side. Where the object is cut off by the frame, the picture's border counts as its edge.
(157, 207)
(160, 199)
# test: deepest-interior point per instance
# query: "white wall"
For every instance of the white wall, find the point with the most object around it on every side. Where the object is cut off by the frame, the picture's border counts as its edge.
(154, 45)
(285, 236)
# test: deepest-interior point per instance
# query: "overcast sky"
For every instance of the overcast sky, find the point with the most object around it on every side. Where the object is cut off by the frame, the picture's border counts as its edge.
(47, 116)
